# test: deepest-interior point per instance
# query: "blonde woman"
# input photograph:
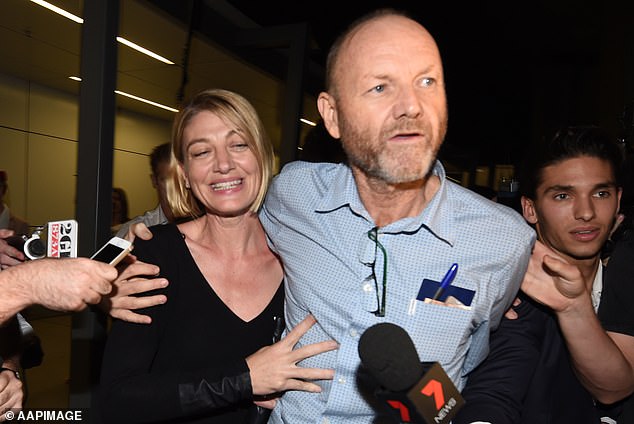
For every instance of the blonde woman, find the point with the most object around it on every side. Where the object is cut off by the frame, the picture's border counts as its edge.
(204, 357)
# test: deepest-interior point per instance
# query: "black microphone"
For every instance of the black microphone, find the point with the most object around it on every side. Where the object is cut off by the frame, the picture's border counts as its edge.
(415, 392)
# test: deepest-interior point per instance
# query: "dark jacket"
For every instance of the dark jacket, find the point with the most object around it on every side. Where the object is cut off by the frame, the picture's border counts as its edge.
(527, 377)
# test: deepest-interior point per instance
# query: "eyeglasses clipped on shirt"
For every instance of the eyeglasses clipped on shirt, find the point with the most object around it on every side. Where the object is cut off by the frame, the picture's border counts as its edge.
(373, 235)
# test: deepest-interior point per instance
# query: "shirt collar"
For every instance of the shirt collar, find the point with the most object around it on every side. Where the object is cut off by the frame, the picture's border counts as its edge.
(597, 287)
(435, 218)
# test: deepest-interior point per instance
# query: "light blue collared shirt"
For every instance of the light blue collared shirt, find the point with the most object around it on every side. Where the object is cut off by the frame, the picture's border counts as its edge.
(317, 224)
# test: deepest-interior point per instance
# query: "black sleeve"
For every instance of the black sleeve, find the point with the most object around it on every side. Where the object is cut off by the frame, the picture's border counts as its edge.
(495, 390)
(615, 310)
(132, 392)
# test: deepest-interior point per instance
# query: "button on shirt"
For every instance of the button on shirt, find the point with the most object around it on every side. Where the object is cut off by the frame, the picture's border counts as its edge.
(316, 222)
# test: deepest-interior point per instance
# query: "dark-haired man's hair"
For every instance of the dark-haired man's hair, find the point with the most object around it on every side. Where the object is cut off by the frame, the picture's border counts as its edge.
(568, 143)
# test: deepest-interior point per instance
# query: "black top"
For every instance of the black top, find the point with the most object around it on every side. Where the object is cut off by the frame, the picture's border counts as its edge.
(616, 310)
(188, 365)
(527, 377)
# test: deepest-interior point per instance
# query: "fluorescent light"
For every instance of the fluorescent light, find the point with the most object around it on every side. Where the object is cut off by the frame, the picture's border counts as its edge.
(59, 11)
(141, 99)
(132, 96)
(144, 50)
(119, 39)
(307, 122)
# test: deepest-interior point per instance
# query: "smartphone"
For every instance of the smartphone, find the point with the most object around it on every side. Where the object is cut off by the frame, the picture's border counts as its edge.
(113, 251)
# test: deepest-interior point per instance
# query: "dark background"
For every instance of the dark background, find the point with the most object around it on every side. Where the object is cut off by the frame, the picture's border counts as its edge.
(514, 69)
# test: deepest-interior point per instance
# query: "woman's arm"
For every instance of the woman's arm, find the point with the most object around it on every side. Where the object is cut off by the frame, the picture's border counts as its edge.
(130, 393)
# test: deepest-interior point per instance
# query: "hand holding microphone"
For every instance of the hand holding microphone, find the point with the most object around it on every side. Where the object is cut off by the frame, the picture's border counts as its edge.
(9, 254)
(414, 392)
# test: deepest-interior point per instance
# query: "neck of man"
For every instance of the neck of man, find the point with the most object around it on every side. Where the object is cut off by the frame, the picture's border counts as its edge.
(387, 203)
(588, 268)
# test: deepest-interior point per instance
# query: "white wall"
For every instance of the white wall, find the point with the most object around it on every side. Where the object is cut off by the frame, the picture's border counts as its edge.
(38, 149)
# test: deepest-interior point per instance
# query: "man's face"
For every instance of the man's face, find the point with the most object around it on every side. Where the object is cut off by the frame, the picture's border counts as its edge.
(575, 206)
(388, 105)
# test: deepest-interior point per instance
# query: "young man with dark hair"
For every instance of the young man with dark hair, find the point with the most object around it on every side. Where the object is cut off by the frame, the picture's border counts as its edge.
(550, 363)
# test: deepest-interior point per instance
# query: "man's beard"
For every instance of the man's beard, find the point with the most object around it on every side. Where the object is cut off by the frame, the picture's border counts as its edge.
(391, 162)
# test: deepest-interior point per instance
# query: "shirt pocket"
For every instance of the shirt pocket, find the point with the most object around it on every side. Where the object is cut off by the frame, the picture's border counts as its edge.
(441, 333)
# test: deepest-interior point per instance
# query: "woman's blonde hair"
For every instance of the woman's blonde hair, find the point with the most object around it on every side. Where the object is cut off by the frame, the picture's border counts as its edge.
(236, 111)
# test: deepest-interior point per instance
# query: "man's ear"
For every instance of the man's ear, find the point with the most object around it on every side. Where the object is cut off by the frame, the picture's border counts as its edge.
(154, 180)
(528, 210)
(328, 110)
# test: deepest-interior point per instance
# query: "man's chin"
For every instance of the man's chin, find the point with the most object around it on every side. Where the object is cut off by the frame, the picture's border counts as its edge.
(399, 172)
(585, 254)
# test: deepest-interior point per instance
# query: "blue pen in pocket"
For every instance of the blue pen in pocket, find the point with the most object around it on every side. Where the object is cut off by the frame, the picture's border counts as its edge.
(446, 281)
(440, 291)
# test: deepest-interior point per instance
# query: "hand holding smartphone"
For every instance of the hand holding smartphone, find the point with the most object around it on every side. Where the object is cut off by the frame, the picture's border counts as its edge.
(113, 251)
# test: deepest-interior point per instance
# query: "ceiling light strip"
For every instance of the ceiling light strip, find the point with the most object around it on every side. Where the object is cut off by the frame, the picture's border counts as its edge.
(144, 50)
(132, 96)
(141, 99)
(59, 11)
(307, 122)
(122, 40)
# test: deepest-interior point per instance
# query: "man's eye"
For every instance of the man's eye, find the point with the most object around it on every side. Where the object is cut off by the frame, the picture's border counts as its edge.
(561, 196)
(428, 82)
(378, 88)
(603, 194)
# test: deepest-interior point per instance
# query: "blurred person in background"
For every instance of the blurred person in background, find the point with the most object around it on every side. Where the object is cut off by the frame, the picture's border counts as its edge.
(161, 214)
(7, 219)
(119, 209)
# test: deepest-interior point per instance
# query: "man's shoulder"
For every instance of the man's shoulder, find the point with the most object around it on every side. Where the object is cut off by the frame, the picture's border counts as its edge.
(472, 206)
(305, 179)
(149, 218)
(153, 217)
(299, 169)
